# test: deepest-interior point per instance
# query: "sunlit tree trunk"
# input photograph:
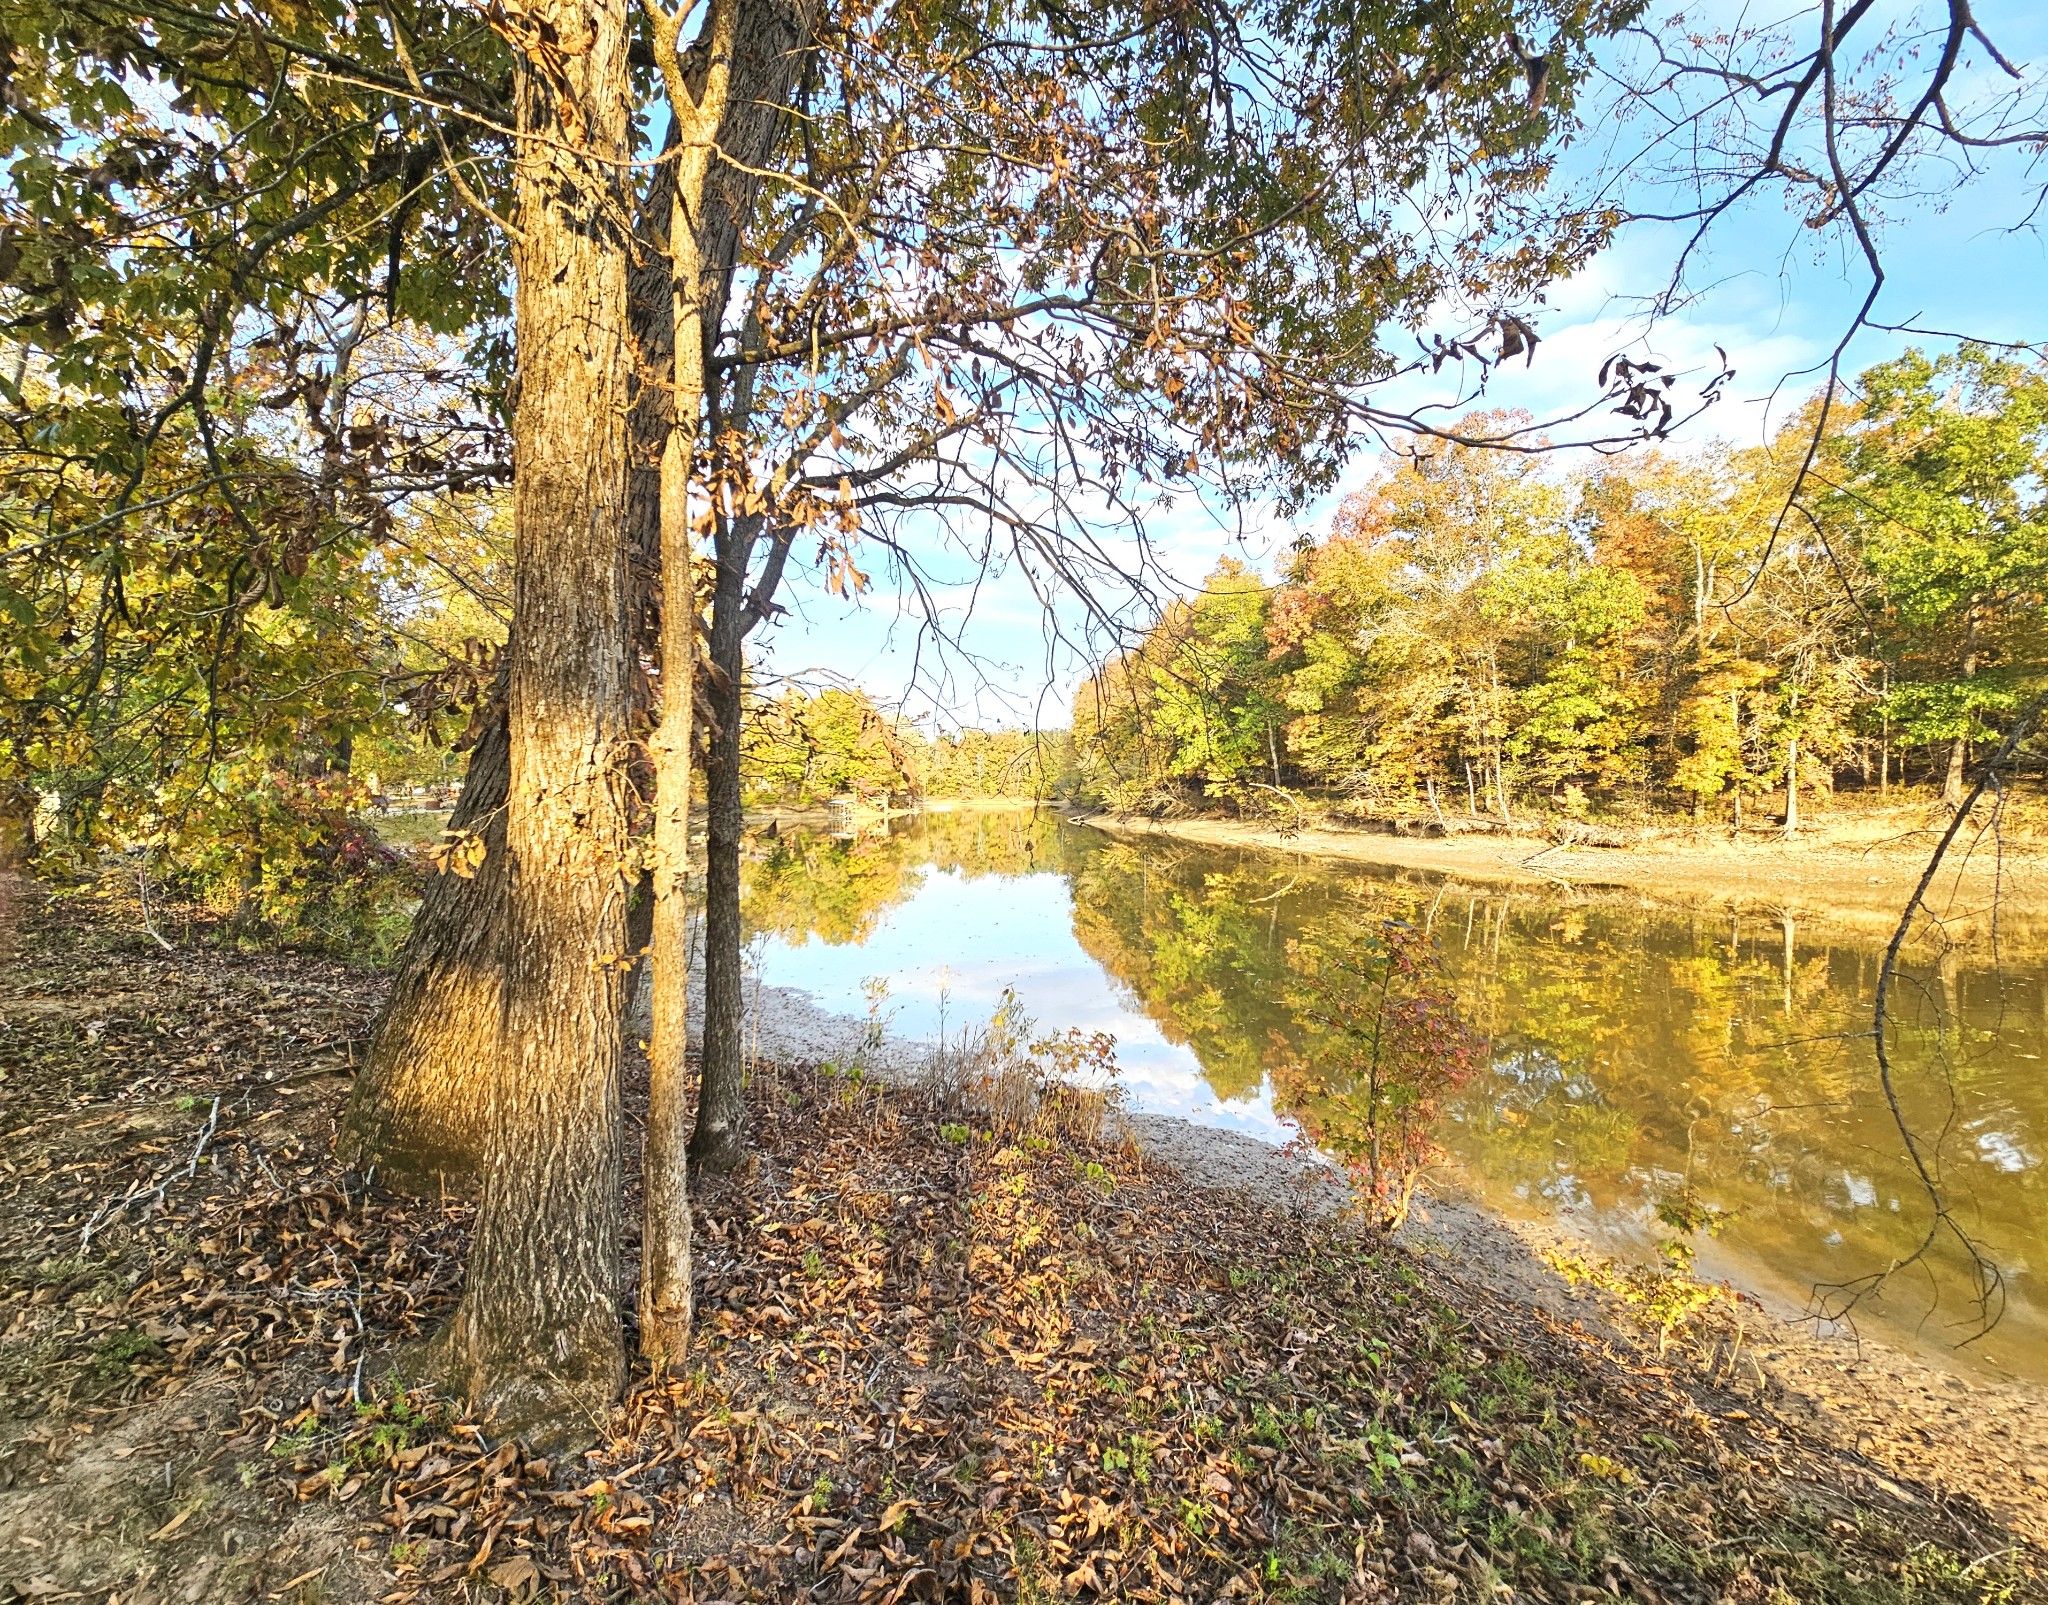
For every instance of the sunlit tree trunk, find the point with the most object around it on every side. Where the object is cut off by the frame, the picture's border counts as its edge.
(1792, 787)
(536, 1344)
(769, 39)
(417, 1112)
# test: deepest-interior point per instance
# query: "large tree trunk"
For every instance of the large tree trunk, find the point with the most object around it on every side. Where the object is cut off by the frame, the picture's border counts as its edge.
(536, 1344)
(417, 1113)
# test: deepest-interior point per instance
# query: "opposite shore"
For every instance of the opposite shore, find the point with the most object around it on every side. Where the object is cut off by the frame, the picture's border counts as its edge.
(1858, 873)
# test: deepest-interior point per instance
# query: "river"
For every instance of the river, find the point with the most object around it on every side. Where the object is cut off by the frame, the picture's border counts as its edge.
(1633, 1051)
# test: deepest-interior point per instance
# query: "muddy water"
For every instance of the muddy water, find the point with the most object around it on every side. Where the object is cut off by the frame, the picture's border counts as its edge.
(1632, 1049)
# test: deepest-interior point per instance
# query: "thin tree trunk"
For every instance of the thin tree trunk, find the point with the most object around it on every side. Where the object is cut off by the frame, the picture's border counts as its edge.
(665, 1298)
(765, 53)
(1792, 787)
(418, 1110)
(715, 1145)
(1959, 749)
(663, 430)
(17, 827)
(536, 1344)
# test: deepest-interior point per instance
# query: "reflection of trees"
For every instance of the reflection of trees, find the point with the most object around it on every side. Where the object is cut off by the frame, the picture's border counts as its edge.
(798, 884)
(1632, 1045)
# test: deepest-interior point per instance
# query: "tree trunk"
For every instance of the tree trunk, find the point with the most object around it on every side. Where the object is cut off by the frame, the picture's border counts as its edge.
(715, 1146)
(417, 1113)
(665, 1298)
(536, 1344)
(766, 53)
(1792, 787)
(663, 425)
(733, 93)
(1959, 749)
(17, 827)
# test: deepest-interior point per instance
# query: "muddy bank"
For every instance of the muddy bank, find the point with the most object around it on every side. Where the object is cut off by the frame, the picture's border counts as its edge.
(1859, 879)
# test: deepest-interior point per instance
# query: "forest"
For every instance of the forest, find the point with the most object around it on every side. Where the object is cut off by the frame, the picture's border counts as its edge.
(1480, 633)
(801, 748)
(406, 405)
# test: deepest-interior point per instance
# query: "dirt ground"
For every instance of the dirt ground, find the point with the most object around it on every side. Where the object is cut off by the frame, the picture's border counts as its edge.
(936, 1361)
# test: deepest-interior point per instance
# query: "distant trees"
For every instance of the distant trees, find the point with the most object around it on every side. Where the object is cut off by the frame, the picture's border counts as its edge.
(1938, 485)
(1479, 629)
(801, 748)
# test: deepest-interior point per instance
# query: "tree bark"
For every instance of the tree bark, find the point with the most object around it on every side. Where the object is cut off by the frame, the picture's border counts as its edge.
(1792, 787)
(716, 1146)
(418, 1111)
(416, 1115)
(536, 1344)
(665, 1297)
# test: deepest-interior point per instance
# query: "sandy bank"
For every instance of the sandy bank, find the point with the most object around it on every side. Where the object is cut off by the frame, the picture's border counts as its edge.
(1861, 880)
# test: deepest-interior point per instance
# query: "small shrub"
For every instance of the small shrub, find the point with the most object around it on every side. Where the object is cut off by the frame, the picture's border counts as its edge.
(1388, 1044)
(1025, 1090)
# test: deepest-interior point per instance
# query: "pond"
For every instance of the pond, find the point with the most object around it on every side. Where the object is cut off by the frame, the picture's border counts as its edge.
(1632, 1049)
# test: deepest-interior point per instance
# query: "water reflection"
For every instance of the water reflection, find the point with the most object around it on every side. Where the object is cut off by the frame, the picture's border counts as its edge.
(1634, 1047)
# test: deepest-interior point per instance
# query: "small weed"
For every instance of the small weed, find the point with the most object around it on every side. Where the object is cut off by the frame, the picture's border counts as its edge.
(61, 1269)
(113, 1357)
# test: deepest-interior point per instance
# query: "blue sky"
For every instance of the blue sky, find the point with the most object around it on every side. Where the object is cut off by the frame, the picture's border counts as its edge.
(1776, 296)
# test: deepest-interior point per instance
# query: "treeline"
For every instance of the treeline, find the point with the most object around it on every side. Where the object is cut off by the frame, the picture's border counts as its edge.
(1479, 634)
(802, 748)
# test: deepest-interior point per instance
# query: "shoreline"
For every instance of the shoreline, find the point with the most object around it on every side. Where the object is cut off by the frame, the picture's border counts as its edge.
(1862, 883)
(1859, 1389)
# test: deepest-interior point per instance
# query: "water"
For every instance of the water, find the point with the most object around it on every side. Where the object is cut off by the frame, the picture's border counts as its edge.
(1632, 1050)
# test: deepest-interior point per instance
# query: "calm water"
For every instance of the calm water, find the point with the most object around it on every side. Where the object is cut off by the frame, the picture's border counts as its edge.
(1632, 1048)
